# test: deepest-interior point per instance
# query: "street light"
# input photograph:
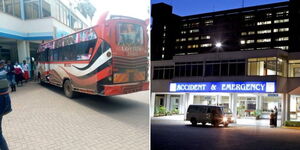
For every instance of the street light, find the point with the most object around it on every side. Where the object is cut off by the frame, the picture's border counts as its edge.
(218, 44)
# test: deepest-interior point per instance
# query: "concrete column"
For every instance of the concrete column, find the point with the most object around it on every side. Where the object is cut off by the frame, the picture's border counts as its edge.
(283, 108)
(260, 102)
(23, 51)
(22, 9)
(187, 100)
(233, 101)
(152, 104)
(257, 101)
(288, 105)
(167, 99)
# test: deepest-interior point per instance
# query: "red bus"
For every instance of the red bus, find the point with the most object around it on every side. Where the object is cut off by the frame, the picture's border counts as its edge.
(110, 58)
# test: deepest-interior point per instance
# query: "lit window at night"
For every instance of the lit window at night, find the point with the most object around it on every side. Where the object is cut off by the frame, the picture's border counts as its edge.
(194, 30)
(281, 21)
(250, 41)
(243, 42)
(264, 31)
(282, 13)
(205, 37)
(251, 32)
(282, 47)
(206, 45)
(264, 23)
(282, 39)
(208, 22)
(281, 30)
(249, 17)
(263, 40)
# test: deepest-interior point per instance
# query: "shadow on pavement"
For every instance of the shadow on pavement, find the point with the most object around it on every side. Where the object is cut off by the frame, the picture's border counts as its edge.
(117, 107)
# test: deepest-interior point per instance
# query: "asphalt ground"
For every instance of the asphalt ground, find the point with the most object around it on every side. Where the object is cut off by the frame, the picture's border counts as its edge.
(169, 134)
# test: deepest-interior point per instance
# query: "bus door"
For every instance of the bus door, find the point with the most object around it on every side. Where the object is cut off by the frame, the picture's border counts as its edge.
(47, 64)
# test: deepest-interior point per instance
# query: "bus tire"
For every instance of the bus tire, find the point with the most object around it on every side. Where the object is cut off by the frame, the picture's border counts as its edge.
(68, 89)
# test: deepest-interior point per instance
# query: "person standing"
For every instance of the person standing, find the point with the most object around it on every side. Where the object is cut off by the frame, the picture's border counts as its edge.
(275, 116)
(25, 68)
(10, 69)
(5, 103)
(272, 118)
(18, 74)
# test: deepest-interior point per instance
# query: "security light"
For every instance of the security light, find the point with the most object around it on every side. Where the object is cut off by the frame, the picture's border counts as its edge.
(218, 44)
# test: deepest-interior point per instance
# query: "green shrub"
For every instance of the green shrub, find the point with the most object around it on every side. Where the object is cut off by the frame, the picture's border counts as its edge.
(162, 110)
(292, 123)
(175, 111)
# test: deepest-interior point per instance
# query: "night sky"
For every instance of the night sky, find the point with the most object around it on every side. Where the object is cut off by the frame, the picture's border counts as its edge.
(191, 7)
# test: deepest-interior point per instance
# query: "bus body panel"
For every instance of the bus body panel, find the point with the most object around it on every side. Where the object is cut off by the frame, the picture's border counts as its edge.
(107, 67)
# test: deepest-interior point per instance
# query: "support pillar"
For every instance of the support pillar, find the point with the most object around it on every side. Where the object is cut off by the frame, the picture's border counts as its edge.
(23, 51)
(233, 101)
(167, 99)
(285, 108)
(187, 100)
(152, 104)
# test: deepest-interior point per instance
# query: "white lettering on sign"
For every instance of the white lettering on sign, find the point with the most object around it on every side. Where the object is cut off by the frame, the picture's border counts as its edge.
(243, 87)
(191, 87)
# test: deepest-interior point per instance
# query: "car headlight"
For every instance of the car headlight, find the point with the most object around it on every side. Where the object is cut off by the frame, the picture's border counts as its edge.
(225, 119)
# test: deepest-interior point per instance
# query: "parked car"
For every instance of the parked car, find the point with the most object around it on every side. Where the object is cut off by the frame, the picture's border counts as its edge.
(207, 114)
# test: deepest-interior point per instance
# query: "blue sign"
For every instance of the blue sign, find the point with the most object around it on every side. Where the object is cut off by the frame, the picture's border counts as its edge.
(239, 87)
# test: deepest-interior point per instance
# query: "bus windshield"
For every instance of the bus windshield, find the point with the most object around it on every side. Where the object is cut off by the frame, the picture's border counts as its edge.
(130, 34)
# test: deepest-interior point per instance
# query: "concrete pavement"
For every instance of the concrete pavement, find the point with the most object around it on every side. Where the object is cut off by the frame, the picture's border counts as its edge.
(43, 118)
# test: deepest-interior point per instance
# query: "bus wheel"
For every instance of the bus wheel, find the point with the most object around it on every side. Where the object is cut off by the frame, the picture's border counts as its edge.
(68, 89)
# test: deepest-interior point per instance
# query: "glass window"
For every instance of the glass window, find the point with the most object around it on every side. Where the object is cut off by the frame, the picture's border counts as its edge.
(266, 66)
(294, 68)
(31, 9)
(46, 8)
(130, 34)
(17, 10)
(1, 5)
(8, 4)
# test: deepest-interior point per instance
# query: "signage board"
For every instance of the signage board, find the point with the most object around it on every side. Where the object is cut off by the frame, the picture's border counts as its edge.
(236, 87)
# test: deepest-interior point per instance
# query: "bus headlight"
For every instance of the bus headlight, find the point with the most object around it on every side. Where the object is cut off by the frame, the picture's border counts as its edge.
(225, 119)
(108, 54)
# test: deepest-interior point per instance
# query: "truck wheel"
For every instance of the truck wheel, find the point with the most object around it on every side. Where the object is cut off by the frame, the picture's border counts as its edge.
(194, 122)
(68, 89)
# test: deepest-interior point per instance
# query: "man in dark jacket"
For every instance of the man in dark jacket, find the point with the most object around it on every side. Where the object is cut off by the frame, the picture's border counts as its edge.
(5, 104)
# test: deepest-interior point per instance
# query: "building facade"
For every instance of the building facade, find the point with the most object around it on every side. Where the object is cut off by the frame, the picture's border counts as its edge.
(244, 81)
(254, 68)
(262, 27)
(26, 23)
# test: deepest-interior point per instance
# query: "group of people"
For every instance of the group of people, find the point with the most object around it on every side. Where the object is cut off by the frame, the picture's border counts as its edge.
(16, 73)
(273, 117)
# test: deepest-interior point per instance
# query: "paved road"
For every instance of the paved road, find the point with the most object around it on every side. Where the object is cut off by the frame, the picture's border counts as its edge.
(179, 135)
(43, 118)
